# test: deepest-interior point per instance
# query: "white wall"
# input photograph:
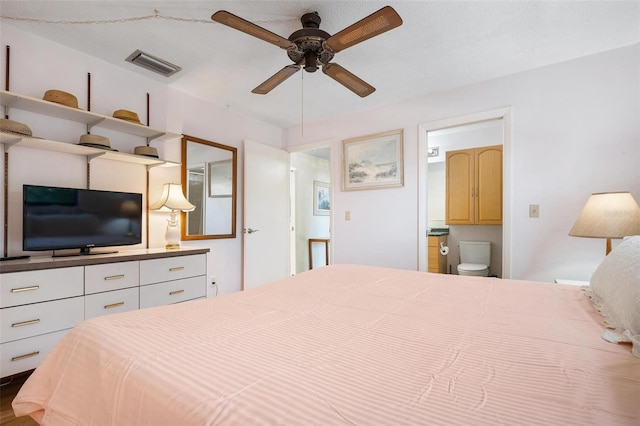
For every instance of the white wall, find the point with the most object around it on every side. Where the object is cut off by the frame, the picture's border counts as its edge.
(38, 65)
(575, 130)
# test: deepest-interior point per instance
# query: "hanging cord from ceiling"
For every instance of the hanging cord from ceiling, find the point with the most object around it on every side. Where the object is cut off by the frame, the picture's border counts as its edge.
(156, 15)
(302, 105)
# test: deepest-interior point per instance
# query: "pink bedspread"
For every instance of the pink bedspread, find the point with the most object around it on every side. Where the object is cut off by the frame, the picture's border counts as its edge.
(345, 345)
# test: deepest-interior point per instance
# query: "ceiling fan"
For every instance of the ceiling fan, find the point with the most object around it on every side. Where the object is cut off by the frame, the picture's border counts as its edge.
(311, 47)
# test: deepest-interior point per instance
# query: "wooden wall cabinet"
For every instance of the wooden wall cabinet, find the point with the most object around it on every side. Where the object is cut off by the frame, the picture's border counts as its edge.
(474, 186)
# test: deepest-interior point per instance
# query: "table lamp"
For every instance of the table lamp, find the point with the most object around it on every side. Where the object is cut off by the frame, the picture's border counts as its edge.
(172, 199)
(608, 215)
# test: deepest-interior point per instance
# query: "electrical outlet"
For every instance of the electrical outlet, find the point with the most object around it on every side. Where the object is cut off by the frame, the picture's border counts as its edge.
(534, 210)
(347, 215)
(213, 279)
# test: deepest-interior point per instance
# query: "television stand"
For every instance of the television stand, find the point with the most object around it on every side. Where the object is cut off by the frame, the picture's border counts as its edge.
(14, 257)
(85, 251)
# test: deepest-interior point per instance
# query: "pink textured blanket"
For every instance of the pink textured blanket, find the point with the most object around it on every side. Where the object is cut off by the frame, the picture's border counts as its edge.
(345, 344)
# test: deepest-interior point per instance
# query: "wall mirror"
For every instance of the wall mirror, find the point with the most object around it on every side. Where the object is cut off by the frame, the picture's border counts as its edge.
(209, 176)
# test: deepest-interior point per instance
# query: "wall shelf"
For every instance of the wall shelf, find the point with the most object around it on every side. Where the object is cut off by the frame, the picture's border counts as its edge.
(91, 119)
(10, 139)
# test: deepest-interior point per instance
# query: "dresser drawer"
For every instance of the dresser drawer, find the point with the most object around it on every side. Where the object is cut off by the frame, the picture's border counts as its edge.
(111, 302)
(111, 276)
(25, 321)
(27, 354)
(20, 288)
(172, 291)
(172, 268)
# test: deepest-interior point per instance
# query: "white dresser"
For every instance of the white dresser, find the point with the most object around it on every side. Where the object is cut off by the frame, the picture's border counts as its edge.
(43, 298)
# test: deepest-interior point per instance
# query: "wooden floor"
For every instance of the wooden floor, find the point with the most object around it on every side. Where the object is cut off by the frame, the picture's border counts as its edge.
(7, 393)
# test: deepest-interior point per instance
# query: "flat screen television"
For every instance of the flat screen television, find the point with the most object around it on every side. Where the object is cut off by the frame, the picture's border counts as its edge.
(56, 218)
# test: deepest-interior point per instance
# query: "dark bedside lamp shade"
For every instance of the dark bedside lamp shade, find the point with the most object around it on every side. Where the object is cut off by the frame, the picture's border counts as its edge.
(608, 215)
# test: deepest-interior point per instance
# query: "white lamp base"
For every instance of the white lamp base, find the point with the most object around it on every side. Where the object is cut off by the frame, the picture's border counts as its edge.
(172, 235)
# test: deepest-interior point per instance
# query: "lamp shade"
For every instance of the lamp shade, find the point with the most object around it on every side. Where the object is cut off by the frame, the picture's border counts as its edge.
(172, 199)
(608, 215)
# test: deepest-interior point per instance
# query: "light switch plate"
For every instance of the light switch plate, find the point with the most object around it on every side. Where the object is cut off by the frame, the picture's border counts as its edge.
(534, 210)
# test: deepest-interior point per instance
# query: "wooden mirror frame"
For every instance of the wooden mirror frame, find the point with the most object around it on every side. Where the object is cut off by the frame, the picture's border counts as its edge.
(186, 139)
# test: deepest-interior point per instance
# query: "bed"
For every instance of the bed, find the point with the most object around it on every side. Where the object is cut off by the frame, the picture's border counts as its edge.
(346, 344)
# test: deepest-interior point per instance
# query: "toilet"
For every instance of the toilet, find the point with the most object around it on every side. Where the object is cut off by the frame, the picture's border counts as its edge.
(475, 258)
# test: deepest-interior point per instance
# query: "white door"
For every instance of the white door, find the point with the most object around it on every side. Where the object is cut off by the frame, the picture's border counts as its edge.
(266, 214)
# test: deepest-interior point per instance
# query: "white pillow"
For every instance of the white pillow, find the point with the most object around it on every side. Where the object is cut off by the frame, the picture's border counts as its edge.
(615, 290)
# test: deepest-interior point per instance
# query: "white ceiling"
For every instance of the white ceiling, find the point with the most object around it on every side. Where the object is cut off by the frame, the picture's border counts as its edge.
(441, 45)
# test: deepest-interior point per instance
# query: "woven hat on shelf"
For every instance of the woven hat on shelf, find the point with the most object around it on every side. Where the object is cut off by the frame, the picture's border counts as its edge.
(10, 126)
(95, 141)
(129, 116)
(147, 151)
(60, 97)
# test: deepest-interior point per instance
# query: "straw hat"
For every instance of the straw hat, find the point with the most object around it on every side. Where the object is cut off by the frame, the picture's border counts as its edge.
(10, 126)
(95, 141)
(60, 97)
(130, 116)
(147, 151)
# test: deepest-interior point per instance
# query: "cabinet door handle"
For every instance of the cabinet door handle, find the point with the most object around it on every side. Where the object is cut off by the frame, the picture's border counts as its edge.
(20, 324)
(113, 305)
(177, 268)
(173, 293)
(29, 355)
(18, 290)
(114, 277)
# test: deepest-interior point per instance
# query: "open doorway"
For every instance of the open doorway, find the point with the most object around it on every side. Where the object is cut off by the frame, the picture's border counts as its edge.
(310, 207)
(463, 139)
(501, 116)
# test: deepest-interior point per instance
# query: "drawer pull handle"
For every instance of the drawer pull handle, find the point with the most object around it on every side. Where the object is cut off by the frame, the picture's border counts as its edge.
(19, 357)
(177, 268)
(20, 324)
(114, 277)
(173, 293)
(113, 305)
(18, 290)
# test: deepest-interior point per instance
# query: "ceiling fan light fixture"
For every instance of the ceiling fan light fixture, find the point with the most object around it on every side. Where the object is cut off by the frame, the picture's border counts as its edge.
(153, 63)
(310, 62)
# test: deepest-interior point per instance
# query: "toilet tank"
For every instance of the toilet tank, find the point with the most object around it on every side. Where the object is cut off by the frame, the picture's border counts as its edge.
(475, 252)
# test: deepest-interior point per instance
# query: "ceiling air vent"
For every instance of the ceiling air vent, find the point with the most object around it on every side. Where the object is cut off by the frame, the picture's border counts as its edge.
(153, 63)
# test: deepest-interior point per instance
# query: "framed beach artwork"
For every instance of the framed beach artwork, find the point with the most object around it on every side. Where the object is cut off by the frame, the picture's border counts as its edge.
(373, 161)
(221, 179)
(321, 198)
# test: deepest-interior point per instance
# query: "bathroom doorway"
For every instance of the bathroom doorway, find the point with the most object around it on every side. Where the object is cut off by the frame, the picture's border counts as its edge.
(435, 139)
(439, 142)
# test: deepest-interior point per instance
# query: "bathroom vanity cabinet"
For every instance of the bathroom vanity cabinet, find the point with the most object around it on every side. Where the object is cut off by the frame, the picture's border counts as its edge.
(436, 261)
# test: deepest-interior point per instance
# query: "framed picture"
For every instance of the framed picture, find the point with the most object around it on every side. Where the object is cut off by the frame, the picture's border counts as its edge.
(220, 179)
(321, 198)
(373, 161)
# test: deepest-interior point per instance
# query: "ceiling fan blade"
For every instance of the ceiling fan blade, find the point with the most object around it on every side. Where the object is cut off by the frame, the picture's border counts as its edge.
(276, 79)
(348, 80)
(237, 23)
(375, 24)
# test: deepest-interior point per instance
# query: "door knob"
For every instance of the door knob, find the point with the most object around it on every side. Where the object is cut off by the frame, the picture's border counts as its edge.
(250, 231)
